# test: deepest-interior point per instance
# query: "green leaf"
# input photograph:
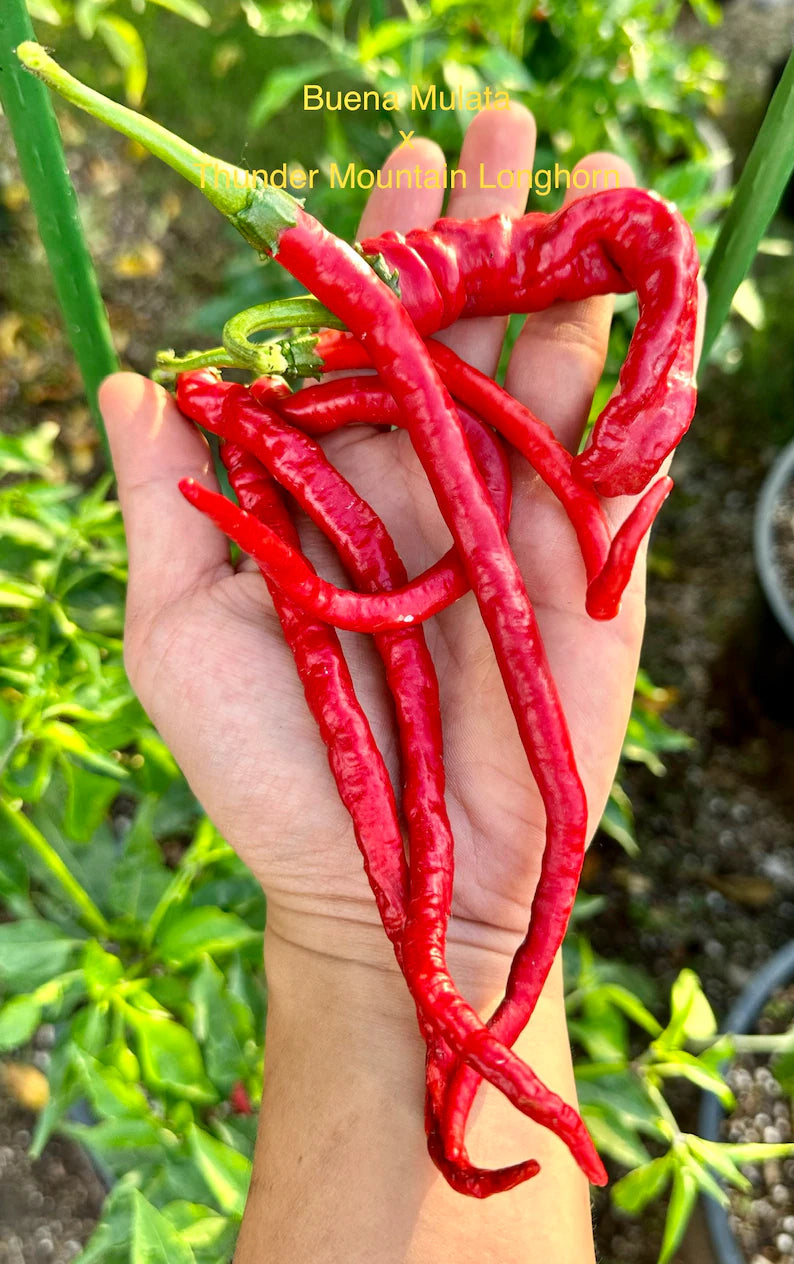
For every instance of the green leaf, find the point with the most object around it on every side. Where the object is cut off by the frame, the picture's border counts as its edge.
(30, 452)
(102, 969)
(18, 593)
(90, 794)
(691, 1068)
(632, 1007)
(706, 1182)
(186, 937)
(32, 951)
(111, 1139)
(782, 1069)
(126, 48)
(642, 1186)
(26, 532)
(187, 9)
(89, 1030)
(109, 1243)
(387, 37)
(226, 1172)
(201, 1227)
(221, 1024)
(625, 1094)
(615, 1136)
(722, 1051)
(691, 1016)
(682, 1203)
(154, 1239)
(602, 1030)
(618, 820)
(63, 1091)
(169, 1056)
(44, 11)
(110, 1095)
(19, 1018)
(755, 199)
(282, 85)
(713, 1154)
(139, 878)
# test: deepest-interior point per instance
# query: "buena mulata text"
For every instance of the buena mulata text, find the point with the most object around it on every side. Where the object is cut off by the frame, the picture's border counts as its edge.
(315, 97)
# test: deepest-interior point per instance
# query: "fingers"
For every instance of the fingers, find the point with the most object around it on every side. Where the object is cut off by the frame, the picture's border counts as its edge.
(401, 209)
(172, 549)
(496, 140)
(703, 298)
(559, 355)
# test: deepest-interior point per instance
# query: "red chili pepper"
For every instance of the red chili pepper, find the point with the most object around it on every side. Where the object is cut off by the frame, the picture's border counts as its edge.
(239, 1100)
(612, 241)
(413, 602)
(411, 676)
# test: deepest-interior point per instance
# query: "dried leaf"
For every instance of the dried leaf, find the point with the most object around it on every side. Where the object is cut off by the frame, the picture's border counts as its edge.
(26, 1084)
(748, 889)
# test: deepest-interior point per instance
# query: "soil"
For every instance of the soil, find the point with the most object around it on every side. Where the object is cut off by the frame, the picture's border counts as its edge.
(783, 541)
(713, 888)
(48, 1206)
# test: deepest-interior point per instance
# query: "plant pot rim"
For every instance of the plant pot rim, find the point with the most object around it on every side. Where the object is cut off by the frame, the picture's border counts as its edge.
(778, 971)
(779, 476)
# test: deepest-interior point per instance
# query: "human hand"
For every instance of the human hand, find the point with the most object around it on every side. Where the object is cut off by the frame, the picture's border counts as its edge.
(205, 652)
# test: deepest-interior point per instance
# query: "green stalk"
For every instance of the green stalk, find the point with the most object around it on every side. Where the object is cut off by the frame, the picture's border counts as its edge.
(38, 142)
(290, 357)
(36, 841)
(260, 214)
(755, 200)
(169, 364)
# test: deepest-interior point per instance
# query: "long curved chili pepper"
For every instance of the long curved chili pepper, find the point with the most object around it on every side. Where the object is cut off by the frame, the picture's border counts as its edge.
(322, 669)
(366, 548)
(198, 393)
(356, 763)
(604, 589)
(612, 241)
(258, 495)
(412, 679)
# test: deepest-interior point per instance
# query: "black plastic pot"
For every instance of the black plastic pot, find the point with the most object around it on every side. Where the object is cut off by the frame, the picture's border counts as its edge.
(775, 974)
(777, 480)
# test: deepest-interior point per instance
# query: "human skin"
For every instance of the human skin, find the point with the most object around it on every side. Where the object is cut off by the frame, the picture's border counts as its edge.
(341, 1170)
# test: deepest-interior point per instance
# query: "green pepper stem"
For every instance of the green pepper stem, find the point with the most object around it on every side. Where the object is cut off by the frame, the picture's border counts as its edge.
(287, 313)
(260, 214)
(168, 364)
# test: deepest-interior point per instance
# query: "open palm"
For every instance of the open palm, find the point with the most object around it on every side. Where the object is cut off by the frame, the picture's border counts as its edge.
(205, 650)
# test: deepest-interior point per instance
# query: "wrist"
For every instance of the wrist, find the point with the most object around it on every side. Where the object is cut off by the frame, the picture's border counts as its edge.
(342, 1138)
(346, 947)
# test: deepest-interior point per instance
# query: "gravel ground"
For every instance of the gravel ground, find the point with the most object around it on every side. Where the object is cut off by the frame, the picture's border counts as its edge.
(763, 1217)
(48, 1207)
(783, 553)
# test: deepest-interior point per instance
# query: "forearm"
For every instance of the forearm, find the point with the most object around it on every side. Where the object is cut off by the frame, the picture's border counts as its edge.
(342, 1172)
